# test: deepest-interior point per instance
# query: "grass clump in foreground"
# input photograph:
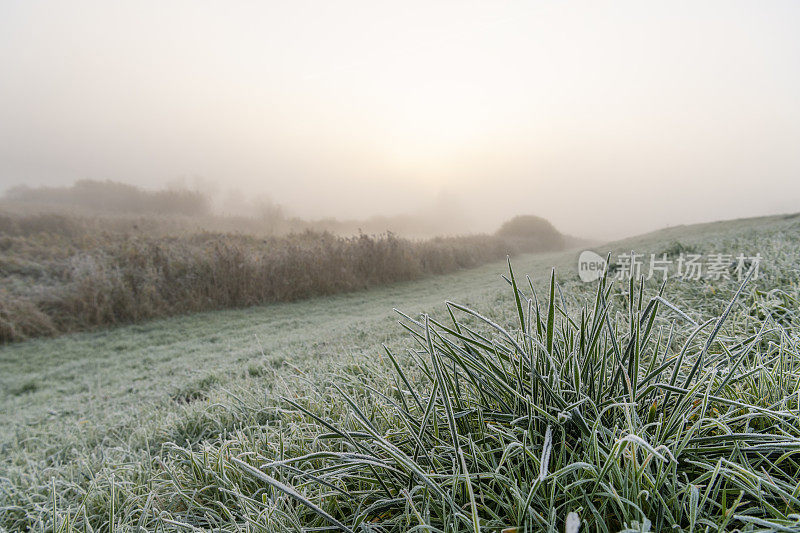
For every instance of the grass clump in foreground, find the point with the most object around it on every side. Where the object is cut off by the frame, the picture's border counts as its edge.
(600, 417)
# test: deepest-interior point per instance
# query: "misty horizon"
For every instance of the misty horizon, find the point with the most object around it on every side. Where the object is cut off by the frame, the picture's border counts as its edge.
(207, 208)
(607, 120)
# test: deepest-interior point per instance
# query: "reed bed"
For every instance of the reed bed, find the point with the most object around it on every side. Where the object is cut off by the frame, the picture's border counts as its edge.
(59, 276)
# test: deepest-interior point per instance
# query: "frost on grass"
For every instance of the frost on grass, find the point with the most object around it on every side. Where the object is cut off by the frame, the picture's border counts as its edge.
(617, 420)
(577, 408)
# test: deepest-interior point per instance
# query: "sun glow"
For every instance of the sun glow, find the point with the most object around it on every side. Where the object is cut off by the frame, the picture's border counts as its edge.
(435, 123)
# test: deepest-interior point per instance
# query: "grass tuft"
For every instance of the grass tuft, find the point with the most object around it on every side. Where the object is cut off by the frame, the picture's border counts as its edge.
(590, 418)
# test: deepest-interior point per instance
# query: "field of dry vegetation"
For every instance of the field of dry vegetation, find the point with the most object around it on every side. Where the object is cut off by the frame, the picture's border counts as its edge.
(62, 273)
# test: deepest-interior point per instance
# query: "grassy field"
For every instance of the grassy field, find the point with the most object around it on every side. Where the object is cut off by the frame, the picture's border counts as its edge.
(145, 425)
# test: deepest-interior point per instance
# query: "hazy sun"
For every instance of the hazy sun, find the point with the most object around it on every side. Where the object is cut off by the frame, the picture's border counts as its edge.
(433, 123)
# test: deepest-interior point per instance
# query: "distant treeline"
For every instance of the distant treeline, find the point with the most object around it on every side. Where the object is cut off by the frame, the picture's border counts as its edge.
(112, 197)
(60, 274)
(192, 210)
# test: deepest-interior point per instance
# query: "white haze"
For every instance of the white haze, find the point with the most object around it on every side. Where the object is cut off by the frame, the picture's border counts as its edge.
(607, 118)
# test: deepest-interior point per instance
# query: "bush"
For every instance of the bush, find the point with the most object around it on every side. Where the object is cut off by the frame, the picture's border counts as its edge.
(532, 232)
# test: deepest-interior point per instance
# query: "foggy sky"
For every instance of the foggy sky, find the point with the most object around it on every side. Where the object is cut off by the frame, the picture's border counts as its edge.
(609, 119)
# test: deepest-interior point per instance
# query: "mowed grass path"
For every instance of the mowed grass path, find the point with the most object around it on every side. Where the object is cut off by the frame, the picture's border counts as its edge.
(125, 378)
